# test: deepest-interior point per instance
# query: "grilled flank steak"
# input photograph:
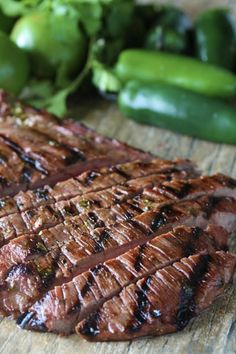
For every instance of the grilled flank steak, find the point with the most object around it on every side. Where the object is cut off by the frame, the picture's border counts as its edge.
(63, 307)
(94, 234)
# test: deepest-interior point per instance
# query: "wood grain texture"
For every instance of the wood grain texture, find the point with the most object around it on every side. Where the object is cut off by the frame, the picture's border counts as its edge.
(212, 332)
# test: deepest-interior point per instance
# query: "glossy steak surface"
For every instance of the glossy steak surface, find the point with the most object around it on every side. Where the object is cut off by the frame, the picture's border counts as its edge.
(101, 238)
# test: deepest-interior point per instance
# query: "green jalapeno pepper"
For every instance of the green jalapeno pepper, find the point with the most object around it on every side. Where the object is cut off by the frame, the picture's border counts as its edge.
(179, 110)
(171, 32)
(182, 71)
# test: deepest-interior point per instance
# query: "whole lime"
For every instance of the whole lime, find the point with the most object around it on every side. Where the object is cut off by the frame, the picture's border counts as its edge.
(52, 41)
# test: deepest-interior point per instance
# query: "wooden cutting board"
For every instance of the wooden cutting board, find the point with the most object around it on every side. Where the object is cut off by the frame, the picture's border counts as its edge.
(212, 332)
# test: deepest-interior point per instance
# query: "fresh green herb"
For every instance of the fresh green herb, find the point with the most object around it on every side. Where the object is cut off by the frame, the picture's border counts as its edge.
(102, 22)
(40, 247)
(84, 204)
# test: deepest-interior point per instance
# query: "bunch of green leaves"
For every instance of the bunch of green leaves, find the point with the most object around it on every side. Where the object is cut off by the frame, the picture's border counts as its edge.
(103, 21)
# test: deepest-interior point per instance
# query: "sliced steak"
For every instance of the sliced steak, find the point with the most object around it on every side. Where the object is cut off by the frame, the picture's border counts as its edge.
(29, 266)
(45, 216)
(94, 180)
(144, 191)
(163, 302)
(63, 307)
(44, 150)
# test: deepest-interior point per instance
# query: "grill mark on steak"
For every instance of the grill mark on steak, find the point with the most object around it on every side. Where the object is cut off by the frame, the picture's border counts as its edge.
(138, 260)
(179, 193)
(26, 175)
(135, 208)
(229, 181)
(88, 285)
(120, 172)
(186, 308)
(74, 154)
(160, 219)
(101, 241)
(20, 269)
(90, 177)
(41, 193)
(196, 233)
(95, 220)
(140, 315)
(24, 156)
(137, 226)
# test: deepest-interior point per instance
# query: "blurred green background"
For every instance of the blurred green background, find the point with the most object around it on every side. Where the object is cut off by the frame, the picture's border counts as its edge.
(193, 7)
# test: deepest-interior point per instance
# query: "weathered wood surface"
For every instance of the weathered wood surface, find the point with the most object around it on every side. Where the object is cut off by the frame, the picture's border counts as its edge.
(212, 332)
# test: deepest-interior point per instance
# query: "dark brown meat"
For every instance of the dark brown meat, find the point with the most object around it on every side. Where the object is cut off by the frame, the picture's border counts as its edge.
(45, 216)
(63, 307)
(94, 180)
(37, 149)
(161, 303)
(145, 192)
(29, 266)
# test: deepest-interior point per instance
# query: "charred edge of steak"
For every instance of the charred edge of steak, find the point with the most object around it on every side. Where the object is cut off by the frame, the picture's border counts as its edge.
(91, 326)
(25, 318)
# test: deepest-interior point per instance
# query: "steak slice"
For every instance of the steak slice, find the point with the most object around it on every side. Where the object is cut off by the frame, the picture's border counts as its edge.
(144, 191)
(45, 216)
(44, 150)
(94, 180)
(164, 302)
(31, 266)
(63, 307)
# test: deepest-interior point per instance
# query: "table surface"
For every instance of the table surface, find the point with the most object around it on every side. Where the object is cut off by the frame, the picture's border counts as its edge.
(212, 332)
